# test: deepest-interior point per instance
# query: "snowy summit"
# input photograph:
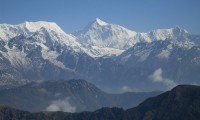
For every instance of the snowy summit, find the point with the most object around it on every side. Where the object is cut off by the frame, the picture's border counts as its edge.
(97, 39)
(100, 22)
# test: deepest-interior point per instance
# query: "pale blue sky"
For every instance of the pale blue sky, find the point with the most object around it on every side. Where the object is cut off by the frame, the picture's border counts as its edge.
(138, 15)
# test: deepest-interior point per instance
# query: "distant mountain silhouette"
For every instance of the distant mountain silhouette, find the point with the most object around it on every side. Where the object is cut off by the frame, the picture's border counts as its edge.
(68, 96)
(181, 103)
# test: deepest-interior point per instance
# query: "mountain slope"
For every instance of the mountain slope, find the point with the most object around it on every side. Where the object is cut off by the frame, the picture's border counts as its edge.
(162, 63)
(68, 96)
(182, 102)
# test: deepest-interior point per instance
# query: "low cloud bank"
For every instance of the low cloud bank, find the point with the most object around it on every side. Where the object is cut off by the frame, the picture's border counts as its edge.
(126, 88)
(61, 105)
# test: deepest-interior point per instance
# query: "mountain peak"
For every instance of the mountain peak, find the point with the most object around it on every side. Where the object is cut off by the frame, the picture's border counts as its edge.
(180, 29)
(35, 26)
(100, 22)
(8, 31)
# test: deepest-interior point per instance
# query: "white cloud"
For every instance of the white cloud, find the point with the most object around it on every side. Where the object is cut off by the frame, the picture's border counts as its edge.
(128, 89)
(158, 78)
(61, 105)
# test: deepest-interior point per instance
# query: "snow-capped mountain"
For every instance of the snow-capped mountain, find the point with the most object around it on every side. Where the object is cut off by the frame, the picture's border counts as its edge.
(8, 31)
(103, 37)
(20, 40)
(97, 39)
(101, 34)
(39, 29)
(30, 51)
(106, 39)
(43, 51)
(163, 34)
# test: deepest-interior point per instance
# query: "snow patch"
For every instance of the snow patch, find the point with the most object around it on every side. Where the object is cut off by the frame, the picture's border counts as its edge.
(164, 54)
(96, 51)
(125, 58)
(52, 57)
(17, 58)
(144, 56)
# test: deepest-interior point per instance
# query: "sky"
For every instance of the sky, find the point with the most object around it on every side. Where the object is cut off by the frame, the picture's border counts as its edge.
(137, 15)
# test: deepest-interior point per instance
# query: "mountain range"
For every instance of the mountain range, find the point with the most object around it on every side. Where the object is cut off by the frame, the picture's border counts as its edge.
(68, 96)
(182, 102)
(110, 56)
